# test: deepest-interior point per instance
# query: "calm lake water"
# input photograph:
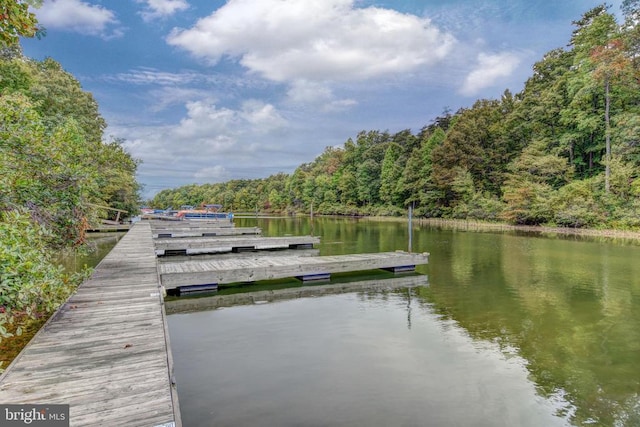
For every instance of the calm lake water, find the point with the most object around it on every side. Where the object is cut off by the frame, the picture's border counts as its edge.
(511, 330)
(98, 246)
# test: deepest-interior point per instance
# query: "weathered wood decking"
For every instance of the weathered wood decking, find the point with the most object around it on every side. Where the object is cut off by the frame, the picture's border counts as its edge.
(250, 269)
(179, 224)
(106, 351)
(160, 233)
(240, 255)
(231, 244)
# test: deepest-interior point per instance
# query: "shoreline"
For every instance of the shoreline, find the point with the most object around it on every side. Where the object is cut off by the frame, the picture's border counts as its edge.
(475, 225)
(480, 226)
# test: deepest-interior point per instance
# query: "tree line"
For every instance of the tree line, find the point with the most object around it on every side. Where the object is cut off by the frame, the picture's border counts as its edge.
(55, 170)
(564, 151)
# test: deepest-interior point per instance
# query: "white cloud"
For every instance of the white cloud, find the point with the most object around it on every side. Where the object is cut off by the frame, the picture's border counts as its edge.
(317, 95)
(167, 96)
(488, 71)
(146, 75)
(340, 105)
(306, 92)
(80, 17)
(204, 120)
(161, 8)
(330, 40)
(207, 142)
(264, 118)
(212, 174)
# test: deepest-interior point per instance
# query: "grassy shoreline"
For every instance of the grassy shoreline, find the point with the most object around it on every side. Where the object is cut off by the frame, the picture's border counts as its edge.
(481, 226)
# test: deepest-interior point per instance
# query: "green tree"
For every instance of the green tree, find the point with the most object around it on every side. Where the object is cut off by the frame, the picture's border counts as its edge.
(532, 180)
(116, 177)
(475, 142)
(16, 21)
(601, 62)
(58, 96)
(390, 173)
(45, 172)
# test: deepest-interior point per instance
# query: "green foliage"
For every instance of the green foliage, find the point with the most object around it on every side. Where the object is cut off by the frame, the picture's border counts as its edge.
(576, 205)
(390, 174)
(43, 172)
(527, 203)
(54, 170)
(16, 21)
(116, 171)
(30, 284)
(15, 76)
(58, 96)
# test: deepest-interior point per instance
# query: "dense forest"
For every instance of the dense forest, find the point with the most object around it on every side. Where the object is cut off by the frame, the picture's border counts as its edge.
(55, 172)
(565, 151)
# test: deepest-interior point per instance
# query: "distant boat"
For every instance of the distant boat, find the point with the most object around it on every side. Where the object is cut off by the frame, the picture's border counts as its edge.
(211, 211)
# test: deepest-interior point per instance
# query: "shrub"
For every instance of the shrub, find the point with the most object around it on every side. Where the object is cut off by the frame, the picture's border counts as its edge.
(30, 284)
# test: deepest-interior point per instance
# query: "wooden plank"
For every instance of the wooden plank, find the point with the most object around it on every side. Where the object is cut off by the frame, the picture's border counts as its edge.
(229, 255)
(249, 269)
(163, 233)
(105, 351)
(228, 244)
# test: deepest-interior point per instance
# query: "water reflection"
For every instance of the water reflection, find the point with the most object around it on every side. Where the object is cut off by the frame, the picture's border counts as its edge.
(346, 359)
(98, 246)
(570, 308)
(272, 291)
(564, 311)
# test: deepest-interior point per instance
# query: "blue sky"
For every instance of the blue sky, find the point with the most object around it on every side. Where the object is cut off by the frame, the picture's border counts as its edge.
(208, 90)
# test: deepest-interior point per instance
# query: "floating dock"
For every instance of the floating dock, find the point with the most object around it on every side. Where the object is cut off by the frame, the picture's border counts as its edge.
(250, 269)
(160, 233)
(106, 351)
(185, 246)
(180, 224)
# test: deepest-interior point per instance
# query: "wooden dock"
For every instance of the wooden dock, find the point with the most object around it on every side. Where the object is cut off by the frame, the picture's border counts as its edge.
(106, 352)
(240, 255)
(160, 233)
(179, 224)
(251, 269)
(185, 246)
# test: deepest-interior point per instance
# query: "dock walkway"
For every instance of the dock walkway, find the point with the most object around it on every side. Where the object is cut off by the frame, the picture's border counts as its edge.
(106, 352)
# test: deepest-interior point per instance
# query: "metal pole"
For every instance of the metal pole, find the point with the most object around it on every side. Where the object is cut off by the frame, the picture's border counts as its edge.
(410, 228)
(311, 218)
